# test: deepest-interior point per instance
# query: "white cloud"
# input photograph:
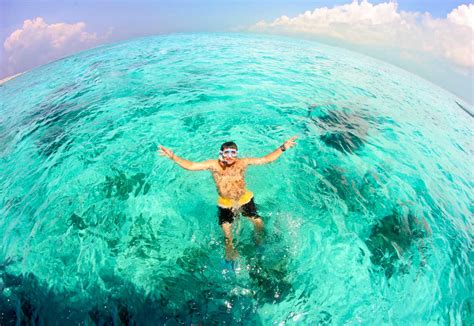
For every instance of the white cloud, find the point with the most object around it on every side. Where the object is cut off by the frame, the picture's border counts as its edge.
(463, 15)
(384, 26)
(38, 42)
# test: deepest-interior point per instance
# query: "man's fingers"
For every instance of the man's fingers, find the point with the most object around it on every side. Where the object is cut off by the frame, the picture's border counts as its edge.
(291, 142)
(163, 151)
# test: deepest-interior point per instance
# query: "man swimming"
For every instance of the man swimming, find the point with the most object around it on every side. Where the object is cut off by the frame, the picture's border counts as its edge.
(229, 175)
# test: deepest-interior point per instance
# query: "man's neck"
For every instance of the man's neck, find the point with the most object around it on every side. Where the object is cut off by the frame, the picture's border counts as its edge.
(225, 165)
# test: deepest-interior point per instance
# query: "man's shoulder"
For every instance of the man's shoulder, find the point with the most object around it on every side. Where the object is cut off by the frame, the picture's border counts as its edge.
(212, 163)
(243, 163)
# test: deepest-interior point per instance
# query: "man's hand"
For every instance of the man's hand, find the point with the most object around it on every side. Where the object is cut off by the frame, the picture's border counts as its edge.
(185, 164)
(163, 151)
(290, 142)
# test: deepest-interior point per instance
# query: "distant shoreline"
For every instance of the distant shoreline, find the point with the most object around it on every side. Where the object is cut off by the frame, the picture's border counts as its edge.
(4, 80)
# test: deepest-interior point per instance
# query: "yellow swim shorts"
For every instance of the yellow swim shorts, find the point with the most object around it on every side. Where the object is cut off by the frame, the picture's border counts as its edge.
(230, 203)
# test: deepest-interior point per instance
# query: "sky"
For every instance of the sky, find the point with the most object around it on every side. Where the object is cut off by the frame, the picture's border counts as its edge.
(431, 38)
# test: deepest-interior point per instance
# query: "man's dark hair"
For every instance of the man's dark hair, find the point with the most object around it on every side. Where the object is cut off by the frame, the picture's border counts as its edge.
(228, 144)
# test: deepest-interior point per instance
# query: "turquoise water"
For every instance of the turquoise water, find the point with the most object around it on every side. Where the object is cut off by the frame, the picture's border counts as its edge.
(368, 219)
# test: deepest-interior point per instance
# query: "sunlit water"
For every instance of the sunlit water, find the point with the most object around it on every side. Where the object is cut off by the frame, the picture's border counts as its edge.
(368, 219)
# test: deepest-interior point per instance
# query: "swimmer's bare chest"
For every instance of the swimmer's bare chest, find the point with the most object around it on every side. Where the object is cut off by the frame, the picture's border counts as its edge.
(230, 180)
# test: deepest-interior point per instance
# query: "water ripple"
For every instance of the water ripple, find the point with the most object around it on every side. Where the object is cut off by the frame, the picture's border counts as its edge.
(368, 219)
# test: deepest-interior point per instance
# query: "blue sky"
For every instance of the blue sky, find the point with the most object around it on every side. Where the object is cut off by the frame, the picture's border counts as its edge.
(106, 21)
(144, 17)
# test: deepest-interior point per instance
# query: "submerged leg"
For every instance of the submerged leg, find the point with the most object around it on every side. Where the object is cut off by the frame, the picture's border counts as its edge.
(257, 223)
(258, 227)
(230, 252)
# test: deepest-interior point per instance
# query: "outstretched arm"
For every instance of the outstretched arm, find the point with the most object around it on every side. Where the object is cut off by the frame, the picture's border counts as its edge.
(273, 155)
(185, 164)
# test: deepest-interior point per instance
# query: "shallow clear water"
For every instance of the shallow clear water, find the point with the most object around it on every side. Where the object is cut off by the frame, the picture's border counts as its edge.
(368, 219)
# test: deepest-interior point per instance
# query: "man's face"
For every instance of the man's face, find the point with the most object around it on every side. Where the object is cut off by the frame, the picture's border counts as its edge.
(229, 155)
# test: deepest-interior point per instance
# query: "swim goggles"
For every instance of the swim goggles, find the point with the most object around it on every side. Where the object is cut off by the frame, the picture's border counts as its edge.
(229, 152)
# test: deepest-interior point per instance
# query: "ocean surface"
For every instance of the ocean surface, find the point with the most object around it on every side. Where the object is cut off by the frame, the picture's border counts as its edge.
(368, 219)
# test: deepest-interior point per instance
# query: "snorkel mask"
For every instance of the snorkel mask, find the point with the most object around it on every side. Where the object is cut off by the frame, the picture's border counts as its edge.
(228, 152)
